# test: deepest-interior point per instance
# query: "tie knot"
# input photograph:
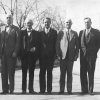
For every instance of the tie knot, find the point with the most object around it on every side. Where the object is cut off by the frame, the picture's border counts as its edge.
(68, 35)
(68, 32)
(29, 31)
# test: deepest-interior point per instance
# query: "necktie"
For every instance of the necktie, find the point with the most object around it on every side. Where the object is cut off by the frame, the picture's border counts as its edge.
(68, 35)
(87, 36)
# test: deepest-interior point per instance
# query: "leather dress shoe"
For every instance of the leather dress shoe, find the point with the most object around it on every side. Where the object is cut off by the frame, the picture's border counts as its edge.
(4, 92)
(23, 92)
(61, 92)
(32, 92)
(91, 93)
(11, 92)
(69, 92)
(48, 92)
(84, 92)
(41, 92)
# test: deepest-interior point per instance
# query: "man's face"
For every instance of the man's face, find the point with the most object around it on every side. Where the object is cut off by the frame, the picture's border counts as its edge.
(9, 20)
(68, 24)
(47, 23)
(29, 25)
(87, 23)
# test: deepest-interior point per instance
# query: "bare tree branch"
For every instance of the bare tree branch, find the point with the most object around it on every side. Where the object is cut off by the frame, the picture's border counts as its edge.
(3, 7)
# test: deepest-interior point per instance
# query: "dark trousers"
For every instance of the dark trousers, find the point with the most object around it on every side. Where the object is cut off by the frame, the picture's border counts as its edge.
(46, 65)
(87, 65)
(66, 66)
(8, 73)
(28, 62)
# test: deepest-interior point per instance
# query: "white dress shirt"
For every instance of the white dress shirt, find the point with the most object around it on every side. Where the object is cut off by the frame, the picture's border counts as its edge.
(8, 28)
(88, 31)
(29, 31)
(47, 30)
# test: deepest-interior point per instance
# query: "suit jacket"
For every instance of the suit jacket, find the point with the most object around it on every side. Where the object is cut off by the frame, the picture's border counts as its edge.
(89, 48)
(73, 45)
(28, 42)
(48, 46)
(9, 41)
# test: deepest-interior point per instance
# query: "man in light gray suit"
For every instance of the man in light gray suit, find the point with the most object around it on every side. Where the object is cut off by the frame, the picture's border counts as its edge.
(67, 50)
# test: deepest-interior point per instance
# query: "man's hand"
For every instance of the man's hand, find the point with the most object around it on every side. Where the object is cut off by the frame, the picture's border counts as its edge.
(33, 49)
(75, 59)
(14, 55)
(44, 45)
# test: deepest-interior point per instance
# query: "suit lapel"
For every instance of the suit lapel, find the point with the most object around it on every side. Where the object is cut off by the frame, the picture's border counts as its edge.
(43, 34)
(83, 42)
(25, 38)
(31, 35)
(11, 30)
(26, 34)
(71, 35)
(91, 33)
(83, 39)
(49, 33)
(90, 36)
(6, 34)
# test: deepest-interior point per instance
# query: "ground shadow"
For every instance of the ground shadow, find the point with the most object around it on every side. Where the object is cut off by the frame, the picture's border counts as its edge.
(53, 93)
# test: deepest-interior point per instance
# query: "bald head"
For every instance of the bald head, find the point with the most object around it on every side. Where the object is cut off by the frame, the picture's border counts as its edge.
(68, 23)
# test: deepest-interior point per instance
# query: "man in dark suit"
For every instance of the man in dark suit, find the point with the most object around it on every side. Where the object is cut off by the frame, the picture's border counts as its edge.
(67, 50)
(30, 46)
(9, 47)
(89, 41)
(47, 56)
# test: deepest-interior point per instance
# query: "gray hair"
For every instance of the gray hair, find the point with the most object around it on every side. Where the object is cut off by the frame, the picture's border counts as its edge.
(88, 18)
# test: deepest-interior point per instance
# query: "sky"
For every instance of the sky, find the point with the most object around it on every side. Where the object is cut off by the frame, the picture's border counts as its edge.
(77, 10)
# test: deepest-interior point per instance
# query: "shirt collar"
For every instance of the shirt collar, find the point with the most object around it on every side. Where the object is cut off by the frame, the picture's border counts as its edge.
(9, 25)
(67, 30)
(29, 30)
(88, 29)
(47, 30)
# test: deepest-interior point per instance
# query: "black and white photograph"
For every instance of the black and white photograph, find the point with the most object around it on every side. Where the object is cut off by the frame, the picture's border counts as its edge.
(50, 49)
